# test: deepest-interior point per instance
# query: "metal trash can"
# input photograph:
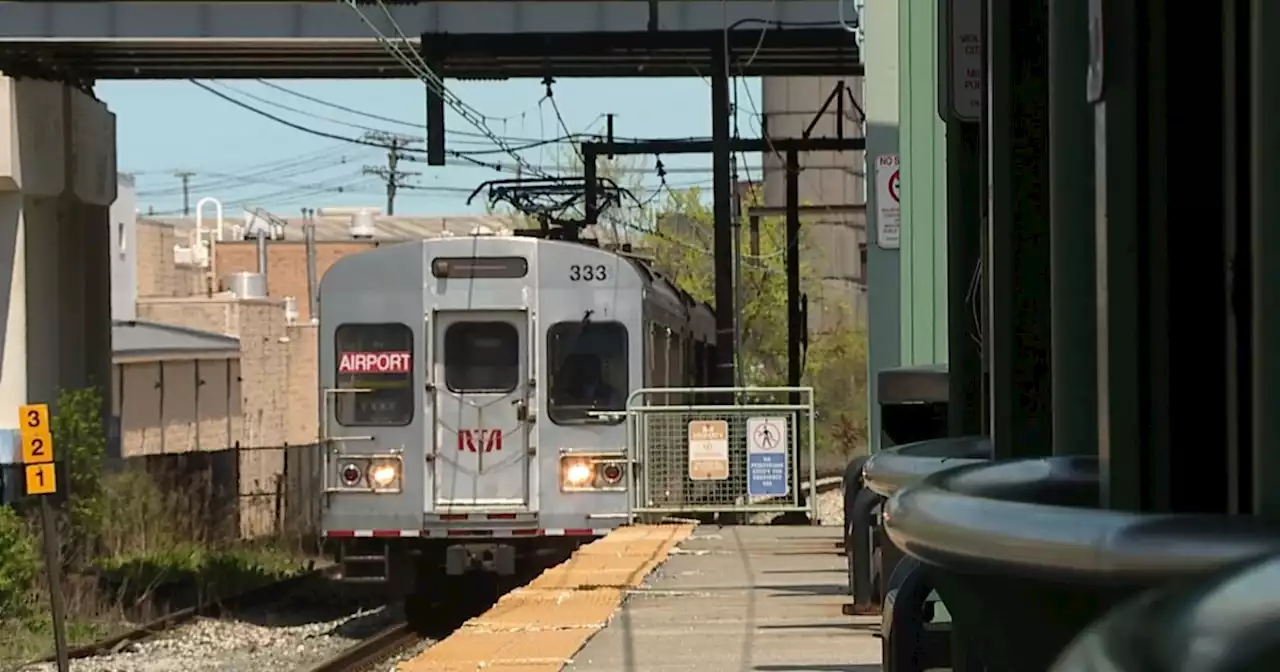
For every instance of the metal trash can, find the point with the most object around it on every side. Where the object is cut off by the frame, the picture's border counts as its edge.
(913, 408)
(913, 404)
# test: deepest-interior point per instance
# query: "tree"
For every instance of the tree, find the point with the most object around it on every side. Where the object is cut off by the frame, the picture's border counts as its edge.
(835, 364)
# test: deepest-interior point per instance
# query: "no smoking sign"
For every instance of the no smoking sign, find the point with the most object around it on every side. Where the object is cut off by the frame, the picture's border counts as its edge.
(888, 215)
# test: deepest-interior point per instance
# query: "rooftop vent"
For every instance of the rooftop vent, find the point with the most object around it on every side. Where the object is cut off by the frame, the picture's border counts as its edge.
(363, 220)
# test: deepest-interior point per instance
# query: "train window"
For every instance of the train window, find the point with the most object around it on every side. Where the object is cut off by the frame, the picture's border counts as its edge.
(481, 357)
(377, 358)
(588, 371)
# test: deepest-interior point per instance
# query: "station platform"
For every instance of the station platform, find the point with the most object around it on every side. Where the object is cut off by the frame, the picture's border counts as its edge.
(743, 598)
(674, 598)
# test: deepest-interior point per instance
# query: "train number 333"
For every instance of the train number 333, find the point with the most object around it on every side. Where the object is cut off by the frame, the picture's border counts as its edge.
(588, 273)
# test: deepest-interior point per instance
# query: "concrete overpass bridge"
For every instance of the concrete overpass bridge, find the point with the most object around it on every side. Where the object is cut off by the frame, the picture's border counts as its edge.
(489, 39)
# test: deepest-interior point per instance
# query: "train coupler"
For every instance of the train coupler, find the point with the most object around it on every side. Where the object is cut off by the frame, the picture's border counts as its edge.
(498, 559)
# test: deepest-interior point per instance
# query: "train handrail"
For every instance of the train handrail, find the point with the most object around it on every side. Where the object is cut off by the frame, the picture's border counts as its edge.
(977, 518)
(1228, 621)
(893, 468)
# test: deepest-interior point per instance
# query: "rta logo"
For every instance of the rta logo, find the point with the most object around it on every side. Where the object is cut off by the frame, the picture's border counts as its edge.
(479, 440)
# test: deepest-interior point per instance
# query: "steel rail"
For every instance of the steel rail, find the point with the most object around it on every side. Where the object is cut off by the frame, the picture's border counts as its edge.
(372, 650)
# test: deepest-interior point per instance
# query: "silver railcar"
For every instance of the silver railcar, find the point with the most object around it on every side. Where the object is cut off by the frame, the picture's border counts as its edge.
(466, 385)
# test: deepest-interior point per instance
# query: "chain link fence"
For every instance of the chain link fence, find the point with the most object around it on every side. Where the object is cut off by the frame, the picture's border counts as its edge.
(721, 450)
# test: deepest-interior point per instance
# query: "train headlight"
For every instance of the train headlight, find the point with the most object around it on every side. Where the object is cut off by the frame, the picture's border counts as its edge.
(577, 474)
(351, 474)
(383, 475)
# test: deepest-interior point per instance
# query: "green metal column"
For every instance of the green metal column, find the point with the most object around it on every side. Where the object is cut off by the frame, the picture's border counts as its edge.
(960, 108)
(880, 56)
(1236, 209)
(964, 254)
(1162, 285)
(1123, 409)
(1265, 188)
(922, 151)
(1072, 272)
(1017, 286)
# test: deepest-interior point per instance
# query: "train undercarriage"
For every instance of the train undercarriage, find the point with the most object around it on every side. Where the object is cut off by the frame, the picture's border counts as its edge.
(426, 572)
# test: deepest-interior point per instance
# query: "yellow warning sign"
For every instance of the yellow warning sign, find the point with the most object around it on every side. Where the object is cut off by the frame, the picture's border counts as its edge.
(37, 448)
(42, 479)
(33, 419)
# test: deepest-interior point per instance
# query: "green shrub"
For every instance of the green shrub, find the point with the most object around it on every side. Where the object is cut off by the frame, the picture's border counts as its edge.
(81, 437)
(137, 516)
(19, 559)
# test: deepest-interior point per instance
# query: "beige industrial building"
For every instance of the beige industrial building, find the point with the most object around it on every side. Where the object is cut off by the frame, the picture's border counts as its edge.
(174, 389)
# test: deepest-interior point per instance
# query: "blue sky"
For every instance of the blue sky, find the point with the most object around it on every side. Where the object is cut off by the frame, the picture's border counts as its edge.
(243, 158)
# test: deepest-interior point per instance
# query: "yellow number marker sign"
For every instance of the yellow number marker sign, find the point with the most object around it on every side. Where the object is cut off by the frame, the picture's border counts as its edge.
(37, 449)
(42, 479)
(33, 419)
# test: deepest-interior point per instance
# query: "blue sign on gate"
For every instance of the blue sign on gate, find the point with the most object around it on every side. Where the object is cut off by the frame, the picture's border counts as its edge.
(767, 448)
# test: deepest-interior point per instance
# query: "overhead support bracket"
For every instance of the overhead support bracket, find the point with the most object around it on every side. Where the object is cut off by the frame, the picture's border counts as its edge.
(592, 150)
(838, 94)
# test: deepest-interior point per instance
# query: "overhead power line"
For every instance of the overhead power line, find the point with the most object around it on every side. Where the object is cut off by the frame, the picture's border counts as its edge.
(422, 70)
(210, 180)
(390, 120)
(332, 136)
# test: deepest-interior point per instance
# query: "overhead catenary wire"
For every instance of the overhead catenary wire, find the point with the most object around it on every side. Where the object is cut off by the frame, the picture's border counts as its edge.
(390, 120)
(466, 157)
(308, 162)
(331, 136)
(229, 180)
(423, 72)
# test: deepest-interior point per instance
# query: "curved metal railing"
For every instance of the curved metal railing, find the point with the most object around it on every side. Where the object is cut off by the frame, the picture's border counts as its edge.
(1229, 621)
(893, 468)
(980, 518)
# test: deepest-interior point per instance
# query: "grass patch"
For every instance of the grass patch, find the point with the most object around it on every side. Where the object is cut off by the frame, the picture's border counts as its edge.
(133, 550)
(191, 573)
(31, 639)
(121, 592)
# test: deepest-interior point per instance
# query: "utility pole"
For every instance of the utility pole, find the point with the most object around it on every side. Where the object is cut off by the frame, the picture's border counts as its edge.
(391, 174)
(185, 176)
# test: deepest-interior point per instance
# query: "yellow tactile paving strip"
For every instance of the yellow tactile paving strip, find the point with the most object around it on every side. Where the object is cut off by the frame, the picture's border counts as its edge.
(538, 628)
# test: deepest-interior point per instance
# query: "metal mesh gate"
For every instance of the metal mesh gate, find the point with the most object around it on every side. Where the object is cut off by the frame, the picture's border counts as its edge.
(721, 450)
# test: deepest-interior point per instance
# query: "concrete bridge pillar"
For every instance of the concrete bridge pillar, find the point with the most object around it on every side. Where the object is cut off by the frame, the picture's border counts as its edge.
(57, 182)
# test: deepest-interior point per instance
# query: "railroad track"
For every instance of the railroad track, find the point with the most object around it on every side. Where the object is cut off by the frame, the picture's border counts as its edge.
(260, 595)
(373, 650)
(826, 484)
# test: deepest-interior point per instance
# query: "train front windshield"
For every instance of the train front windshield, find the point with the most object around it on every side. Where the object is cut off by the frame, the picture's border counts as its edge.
(588, 371)
(377, 358)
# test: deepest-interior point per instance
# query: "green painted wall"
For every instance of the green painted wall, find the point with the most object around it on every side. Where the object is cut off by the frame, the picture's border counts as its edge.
(880, 96)
(922, 149)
